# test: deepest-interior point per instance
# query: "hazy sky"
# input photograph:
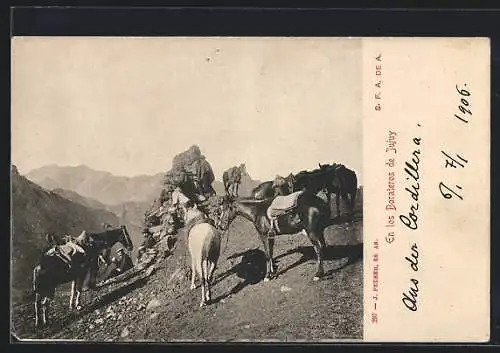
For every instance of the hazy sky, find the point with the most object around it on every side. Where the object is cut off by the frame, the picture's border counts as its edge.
(128, 105)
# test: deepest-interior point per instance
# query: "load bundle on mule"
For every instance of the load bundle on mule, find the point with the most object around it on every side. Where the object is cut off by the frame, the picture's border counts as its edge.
(76, 261)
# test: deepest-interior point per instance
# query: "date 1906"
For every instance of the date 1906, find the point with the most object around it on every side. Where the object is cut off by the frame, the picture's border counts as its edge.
(464, 106)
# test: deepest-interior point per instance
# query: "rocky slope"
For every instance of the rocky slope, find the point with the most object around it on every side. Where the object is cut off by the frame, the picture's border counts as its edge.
(291, 307)
(36, 211)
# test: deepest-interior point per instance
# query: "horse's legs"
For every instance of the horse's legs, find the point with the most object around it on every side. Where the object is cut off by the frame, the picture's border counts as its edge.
(353, 201)
(318, 242)
(208, 292)
(269, 268)
(37, 303)
(77, 288)
(337, 203)
(203, 283)
(211, 271)
(77, 299)
(271, 251)
(237, 187)
(193, 271)
(44, 310)
(329, 200)
(72, 295)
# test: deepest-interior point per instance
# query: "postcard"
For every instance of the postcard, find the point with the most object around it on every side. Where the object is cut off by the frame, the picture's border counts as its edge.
(250, 189)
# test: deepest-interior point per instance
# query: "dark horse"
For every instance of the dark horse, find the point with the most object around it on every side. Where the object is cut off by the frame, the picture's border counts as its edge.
(343, 183)
(65, 263)
(313, 181)
(263, 191)
(310, 215)
(270, 189)
(231, 179)
(334, 179)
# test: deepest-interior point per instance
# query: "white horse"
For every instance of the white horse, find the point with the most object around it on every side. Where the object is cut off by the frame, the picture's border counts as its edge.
(204, 248)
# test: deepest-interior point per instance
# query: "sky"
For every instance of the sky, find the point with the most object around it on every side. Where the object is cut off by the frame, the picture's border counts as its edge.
(128, 105)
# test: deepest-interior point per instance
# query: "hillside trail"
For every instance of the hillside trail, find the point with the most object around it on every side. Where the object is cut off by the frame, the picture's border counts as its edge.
(289, 308)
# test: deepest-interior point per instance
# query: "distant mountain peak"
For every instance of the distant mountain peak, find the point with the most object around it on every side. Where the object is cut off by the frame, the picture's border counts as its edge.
(98, 185)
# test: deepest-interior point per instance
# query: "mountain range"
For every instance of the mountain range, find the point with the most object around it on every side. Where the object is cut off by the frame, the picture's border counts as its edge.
(111, 190)
(98, 185)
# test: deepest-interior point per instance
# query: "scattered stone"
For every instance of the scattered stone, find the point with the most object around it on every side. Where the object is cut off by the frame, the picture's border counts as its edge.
(97, 312)
(125, 333)
(109, 309)
(120, 316)
(247, 326)
(91, 327)
(154, 315)
(153, 304)
(141, 307)
(150, 270)
(99, 321)
(285, 289)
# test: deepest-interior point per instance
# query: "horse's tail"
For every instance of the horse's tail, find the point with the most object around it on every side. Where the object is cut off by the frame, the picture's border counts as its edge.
(211, 254)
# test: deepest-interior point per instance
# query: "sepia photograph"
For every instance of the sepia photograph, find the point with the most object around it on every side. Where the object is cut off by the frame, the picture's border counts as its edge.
(187, 189)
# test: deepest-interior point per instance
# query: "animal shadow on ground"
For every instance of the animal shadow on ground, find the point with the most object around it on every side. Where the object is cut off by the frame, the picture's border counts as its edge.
(61, 321)
(353, 253)
(251, 269)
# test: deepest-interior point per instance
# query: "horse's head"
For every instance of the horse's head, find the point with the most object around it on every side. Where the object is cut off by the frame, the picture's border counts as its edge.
(290, 179)
(85, 240)
(225, 212)
(281, 186)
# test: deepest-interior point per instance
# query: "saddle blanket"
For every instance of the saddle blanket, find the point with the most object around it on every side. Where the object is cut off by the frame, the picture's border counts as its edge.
(195, 221)
(283, 204)
(66, 252)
